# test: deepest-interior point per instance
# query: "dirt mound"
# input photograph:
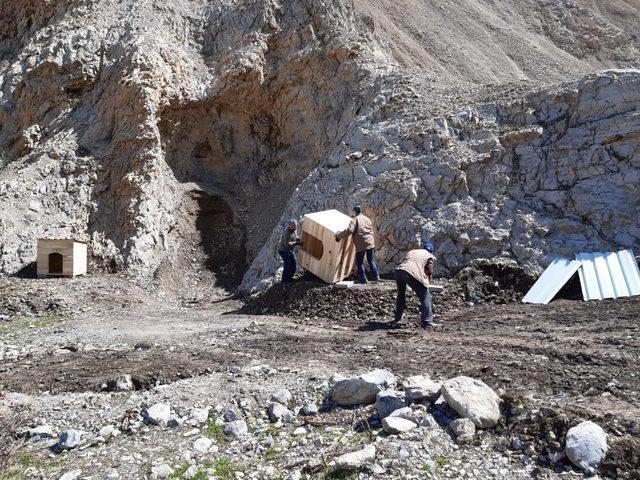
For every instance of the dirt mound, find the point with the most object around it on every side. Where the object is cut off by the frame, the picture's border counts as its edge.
(482, 281)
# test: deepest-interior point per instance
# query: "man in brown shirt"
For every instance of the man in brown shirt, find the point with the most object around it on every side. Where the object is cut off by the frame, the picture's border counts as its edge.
(361, 227)
(288, 242)
(416, 270)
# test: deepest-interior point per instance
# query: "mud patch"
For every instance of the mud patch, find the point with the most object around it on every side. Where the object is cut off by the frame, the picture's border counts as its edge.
(623, 459)
(91, 371)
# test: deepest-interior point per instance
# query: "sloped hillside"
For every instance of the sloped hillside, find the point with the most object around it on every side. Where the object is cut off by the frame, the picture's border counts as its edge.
(176, 136)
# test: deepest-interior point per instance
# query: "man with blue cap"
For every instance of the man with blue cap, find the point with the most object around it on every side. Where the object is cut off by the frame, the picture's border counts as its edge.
(361, 227)
(416, 271)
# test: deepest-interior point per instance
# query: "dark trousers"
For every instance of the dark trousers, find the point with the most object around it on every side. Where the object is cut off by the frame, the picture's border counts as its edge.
(373, 266)
(402, 280)
(290, 265)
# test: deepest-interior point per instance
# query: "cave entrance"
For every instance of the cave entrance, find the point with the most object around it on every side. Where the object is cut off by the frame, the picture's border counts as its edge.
(214, 237)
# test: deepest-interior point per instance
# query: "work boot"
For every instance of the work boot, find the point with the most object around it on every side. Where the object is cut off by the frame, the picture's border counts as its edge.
(429, 325)
(362, 282)
(377, 279)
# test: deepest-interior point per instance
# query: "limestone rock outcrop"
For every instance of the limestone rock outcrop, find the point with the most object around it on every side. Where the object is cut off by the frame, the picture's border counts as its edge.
(175, 136)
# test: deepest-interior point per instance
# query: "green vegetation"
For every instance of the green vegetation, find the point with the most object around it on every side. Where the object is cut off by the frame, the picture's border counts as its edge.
(224, 469)
(271, 454)
(271, 432)
(15, 469)
(215, 432)
(440, 461)
(16, 326)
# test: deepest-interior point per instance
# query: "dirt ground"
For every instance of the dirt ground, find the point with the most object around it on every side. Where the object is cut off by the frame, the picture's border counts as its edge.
(580, 359)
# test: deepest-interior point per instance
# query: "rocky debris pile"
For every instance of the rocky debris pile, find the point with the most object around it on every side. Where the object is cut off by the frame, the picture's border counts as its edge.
(375, 424)
(482, 281)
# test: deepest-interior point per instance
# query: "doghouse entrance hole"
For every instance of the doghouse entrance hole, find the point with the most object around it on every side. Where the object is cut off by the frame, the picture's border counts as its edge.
(312, 245)
(55, 263)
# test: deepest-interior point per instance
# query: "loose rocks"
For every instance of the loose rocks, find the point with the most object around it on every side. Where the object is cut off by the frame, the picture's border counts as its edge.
(472, 399)
(419, 388)
(357, 459)
(158, 414)
(397, 425)
(388, 401)
(282, 396)
(463, 429)
(236, 429)
(586, 445)
(277, 411)
(362, 389)
(69, 439)
(42, 431)
(203, 444)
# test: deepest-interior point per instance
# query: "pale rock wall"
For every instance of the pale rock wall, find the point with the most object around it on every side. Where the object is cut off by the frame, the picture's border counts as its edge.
(551, 175)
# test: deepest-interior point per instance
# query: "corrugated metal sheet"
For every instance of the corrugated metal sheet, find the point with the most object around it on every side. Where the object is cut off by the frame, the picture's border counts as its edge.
(552, 280)
(608, 275)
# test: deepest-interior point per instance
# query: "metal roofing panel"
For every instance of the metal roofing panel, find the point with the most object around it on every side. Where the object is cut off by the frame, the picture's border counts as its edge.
(551, 281)
(608, 275)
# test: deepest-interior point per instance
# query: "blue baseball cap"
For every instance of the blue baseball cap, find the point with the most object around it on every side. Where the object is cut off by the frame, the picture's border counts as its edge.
(429, 247)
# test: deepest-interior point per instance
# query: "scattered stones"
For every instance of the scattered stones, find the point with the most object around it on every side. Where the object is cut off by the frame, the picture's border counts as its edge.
(472, 399)
(69, 439)
(161, 471)
(277, 412)
(463, 429)
(199, 416)
(357, 459)
(71, 475)
(231, 416)
(236, 428)
(158, 414)
(397, 425)
(309, 409)
(586, 445)
(203, 444)
(420, 387)
(388, 401)
(361, 390)
(42, 431)
(282, 396)
(109, 431)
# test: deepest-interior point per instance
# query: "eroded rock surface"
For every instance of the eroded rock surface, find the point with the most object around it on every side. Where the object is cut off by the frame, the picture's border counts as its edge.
(175, 136)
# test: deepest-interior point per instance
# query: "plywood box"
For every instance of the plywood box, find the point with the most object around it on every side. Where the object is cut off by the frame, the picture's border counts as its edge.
(61, 258)
(320, 254)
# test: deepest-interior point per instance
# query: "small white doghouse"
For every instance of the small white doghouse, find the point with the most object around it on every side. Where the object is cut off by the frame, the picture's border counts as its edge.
(327, 259)
(61, 258)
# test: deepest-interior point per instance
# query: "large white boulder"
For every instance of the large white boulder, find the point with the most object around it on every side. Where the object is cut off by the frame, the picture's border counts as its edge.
(472, 399)
(586, 445)
(361, 390)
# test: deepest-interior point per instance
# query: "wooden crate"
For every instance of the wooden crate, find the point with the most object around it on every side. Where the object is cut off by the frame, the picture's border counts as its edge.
(320, 254)
(61, 258)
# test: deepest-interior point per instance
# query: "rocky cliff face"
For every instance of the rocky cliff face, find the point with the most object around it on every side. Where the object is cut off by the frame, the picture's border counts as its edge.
(178, 135)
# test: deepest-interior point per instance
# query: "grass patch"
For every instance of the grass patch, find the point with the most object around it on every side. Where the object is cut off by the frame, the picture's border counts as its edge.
(24, 460)
(23, 324)
(271, 454)
(180, 471)
(215, 432)
(271, 432)
(224, 469)
(440, 461)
